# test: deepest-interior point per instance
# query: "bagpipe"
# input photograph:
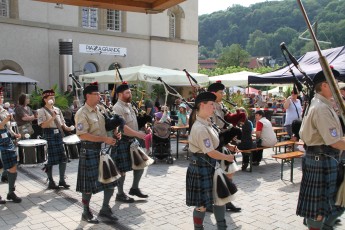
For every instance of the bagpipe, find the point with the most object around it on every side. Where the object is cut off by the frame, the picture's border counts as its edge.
(112, 120)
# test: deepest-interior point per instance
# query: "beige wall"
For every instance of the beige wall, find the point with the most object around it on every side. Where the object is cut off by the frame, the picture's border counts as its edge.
(32, 40)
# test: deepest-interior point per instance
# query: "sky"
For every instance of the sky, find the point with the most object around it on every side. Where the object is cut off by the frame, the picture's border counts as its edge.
(209, 6)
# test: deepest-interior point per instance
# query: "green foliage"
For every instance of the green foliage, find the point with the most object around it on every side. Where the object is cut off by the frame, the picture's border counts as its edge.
(233, 55)
(235, 69)
(261, 27)
(61, 100)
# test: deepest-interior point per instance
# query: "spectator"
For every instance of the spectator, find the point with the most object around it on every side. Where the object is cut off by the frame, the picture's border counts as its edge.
(293, 108)
(265, 135)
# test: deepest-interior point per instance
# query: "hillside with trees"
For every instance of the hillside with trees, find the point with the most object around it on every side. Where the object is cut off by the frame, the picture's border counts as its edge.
(259, 29)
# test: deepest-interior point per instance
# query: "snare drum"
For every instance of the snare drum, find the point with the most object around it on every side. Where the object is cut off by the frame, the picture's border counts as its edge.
(72, 146)
(32, 151)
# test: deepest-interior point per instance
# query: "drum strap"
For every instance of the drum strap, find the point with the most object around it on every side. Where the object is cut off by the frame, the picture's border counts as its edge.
(58, 125)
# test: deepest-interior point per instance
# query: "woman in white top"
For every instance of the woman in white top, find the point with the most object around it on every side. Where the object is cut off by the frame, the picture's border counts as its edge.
(293, 108)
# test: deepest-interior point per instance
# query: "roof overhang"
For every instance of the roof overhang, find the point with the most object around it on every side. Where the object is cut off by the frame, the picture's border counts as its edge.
(142, 6)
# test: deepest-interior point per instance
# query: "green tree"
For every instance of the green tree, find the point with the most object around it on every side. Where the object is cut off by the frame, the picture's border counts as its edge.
(233, 55)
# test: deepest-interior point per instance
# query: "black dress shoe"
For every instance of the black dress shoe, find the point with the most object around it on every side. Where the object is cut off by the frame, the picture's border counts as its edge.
(2, 201)
(107, 213)
(89, 217)
(52, 185)
(232, 208)
(137, 192)
(124, 198)
(63, 184)
(244, 166)
(12, 196)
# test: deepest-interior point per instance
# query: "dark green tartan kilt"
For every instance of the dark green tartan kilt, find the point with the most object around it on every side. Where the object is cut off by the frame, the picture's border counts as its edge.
(56, 150)
(121, 156)
(88, 168)
(199, 182)
(8, 151)
(318, 187)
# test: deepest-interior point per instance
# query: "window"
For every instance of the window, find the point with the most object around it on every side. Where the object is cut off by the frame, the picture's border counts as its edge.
(89, 17)
(172, 25)
(176, 16)
(90, 67)
(114, 20)
(4, 8)
(7, 91)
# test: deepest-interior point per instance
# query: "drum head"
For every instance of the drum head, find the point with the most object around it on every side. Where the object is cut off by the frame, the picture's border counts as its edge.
(72, 139)
(32, 142)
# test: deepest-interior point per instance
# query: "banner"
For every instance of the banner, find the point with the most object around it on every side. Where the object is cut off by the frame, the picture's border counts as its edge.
(105, 50)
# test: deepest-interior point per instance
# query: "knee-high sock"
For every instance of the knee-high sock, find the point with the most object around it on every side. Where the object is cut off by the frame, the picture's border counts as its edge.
(108, 192)
(136, 177)
(62, 170)
(85, 199)
(313, 224)
(11, 181)
(219, 214)
(198, 219)
(120, 183)
(50, 173)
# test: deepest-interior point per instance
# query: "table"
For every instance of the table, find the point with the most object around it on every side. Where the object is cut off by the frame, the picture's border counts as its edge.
(177, 129)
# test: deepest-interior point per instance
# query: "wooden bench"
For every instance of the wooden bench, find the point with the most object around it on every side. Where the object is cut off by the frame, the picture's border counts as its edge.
(285, 144)
(288, 157)
(281, 135)
(278, 145)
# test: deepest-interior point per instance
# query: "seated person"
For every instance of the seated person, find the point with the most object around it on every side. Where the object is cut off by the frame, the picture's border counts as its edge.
(183, 119)
(265, 135)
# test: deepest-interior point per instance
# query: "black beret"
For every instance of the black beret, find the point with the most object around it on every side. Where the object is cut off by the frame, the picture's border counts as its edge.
(47, 93)
(93, 87)
(124, 86)
(320, 76)
(260, 112)
(215, 87)
(205, 96)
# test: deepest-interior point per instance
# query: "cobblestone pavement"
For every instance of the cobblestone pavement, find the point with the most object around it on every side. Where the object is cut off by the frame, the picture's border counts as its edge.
(267, 202)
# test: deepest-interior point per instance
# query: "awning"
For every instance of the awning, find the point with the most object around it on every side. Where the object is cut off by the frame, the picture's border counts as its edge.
(9, 76)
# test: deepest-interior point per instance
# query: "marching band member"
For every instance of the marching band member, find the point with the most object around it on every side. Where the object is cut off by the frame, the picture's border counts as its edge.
(92, 133)
(51, 119)
(122, 159)
(218, 89)
(203, 141)
(8, 151)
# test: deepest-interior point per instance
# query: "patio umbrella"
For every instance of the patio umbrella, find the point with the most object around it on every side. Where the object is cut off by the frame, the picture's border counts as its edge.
(145, 73)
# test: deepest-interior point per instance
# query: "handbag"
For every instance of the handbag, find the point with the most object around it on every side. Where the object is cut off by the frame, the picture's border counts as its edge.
(138, 157)
(26, 128)
(107, 170)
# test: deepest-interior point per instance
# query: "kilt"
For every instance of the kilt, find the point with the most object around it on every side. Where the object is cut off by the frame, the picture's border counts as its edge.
(318, 188)
(56, 150)
(121, 156)
(8, 151)
(199, 181)
(87, 178)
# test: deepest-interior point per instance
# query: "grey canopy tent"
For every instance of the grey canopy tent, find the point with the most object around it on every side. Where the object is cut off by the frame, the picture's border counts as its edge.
(9, 76)
(309, 63)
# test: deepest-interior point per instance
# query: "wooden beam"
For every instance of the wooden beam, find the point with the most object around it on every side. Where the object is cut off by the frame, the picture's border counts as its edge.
(143, 6)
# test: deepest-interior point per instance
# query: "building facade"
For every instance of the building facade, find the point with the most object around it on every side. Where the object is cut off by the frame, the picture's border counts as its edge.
(30, 33)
